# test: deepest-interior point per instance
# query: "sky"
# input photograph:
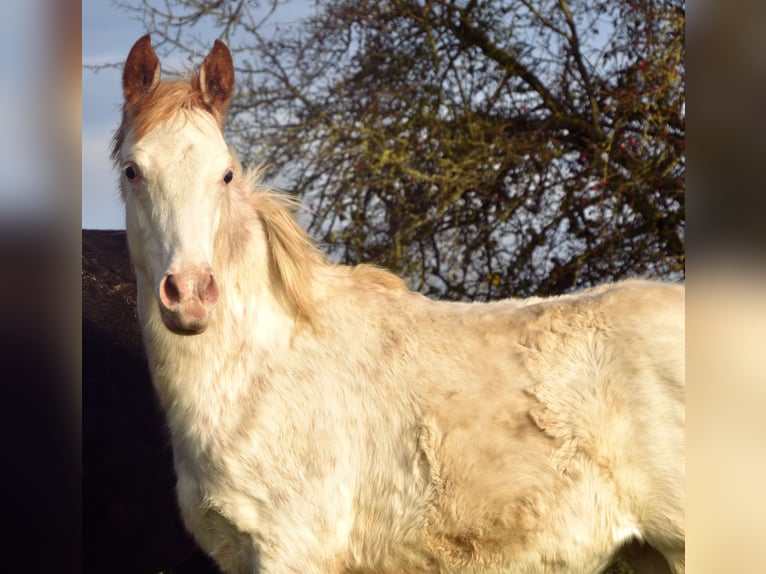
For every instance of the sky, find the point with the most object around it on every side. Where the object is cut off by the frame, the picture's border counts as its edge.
(108, 33)
(107, 36)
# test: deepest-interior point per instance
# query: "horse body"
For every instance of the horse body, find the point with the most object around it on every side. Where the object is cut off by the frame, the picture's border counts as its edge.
(327, 419)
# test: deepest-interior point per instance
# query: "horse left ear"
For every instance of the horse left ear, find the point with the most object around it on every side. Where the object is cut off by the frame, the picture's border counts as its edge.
(216, 78)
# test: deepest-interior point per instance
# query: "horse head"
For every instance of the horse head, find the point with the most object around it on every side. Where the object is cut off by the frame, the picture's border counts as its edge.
(175, 171)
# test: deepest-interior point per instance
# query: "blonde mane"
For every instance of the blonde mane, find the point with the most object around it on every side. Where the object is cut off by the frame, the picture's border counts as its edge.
(294, 256)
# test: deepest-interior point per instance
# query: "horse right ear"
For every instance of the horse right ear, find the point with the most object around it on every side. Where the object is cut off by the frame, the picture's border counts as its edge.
(142, 71)
(216, 78)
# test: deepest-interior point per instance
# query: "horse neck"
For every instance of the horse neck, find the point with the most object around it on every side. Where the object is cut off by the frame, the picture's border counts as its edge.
(252, 301)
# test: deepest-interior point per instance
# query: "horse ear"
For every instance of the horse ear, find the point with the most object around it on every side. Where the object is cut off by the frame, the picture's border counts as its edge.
(142, 71)
(216, 78)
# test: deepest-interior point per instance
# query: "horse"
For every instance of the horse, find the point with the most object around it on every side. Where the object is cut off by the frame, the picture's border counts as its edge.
(326, 418)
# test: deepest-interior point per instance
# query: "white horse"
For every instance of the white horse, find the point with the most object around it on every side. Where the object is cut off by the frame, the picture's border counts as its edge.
(325, 418)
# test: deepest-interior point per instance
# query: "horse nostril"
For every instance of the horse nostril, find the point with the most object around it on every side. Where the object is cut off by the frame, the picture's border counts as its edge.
(208, 289)
(170, 292)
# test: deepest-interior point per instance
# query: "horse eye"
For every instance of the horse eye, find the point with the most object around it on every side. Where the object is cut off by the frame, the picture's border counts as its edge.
(131, 173)
(228, 177)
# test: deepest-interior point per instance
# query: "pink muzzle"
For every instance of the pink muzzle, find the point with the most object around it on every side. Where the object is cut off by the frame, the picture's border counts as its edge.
(186, 299)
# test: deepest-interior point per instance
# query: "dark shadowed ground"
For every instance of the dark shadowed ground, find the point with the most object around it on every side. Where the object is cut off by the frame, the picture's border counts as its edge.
(130, 518)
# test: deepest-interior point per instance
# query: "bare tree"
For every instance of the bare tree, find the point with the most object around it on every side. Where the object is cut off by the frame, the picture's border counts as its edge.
(481, 148)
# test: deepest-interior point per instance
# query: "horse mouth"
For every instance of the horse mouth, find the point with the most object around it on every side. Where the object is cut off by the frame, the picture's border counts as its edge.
(187, 324)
